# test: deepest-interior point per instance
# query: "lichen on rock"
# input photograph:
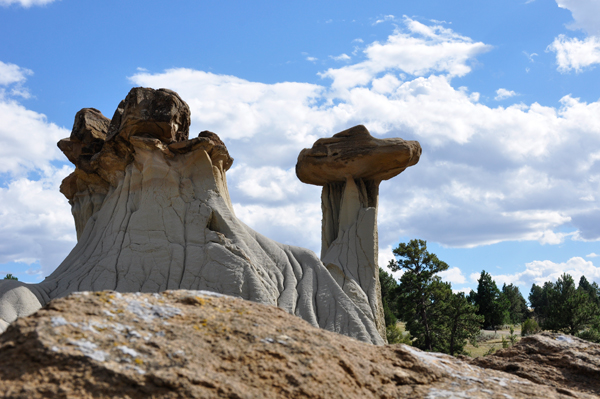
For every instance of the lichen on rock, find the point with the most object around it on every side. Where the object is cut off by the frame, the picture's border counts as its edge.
(195, 344)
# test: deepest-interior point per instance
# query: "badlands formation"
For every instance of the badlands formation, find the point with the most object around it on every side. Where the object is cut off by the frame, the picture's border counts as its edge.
(155, 226)
(153, 213)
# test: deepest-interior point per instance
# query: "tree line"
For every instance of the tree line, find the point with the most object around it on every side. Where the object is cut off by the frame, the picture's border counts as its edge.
(438, 319)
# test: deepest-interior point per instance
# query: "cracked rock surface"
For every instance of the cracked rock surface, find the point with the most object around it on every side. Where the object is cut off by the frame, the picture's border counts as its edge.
(193, 344)
(153, 213)
(557, 360)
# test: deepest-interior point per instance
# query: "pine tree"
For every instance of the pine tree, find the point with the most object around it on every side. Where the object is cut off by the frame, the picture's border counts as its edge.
(419, 292)
(592, 289)
(492, 305)
(538, 299)
(570, 309)
(517, 309)
(389, 297)
(438, 319)
(464, 324)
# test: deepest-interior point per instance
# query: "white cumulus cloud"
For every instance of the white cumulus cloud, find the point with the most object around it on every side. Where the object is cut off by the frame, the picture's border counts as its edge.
(385, 18)
(341, 57)
(530, 56)
(36, 225)
(417, 49)
(25, 3)
(28, 139)
(502, 94)
(573, 53)
(586, 14)
(538, 272)
(453, 275)
(12, 78)
(11, 73)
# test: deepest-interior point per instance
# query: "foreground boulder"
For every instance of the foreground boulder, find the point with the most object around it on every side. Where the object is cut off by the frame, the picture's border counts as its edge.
(560, 361)
(191, 344)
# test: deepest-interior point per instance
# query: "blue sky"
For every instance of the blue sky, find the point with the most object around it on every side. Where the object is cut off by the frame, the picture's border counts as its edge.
(502, 95)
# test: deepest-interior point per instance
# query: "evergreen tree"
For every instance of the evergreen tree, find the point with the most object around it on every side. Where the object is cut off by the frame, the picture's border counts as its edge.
(438, 319)
(464, 325)
(592, 289)
(389, 297)
(517, 308)
(419, 296)
(492, 305)
(538, 299)
(570, 309)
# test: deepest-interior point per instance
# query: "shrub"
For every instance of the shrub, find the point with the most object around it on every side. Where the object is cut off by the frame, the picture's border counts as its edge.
(483, 337)
(395, 336)
(490, 351)
(590, 334)
(512, 337)
(529, 327)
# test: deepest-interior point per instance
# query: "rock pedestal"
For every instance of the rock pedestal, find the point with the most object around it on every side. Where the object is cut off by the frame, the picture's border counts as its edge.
(350, 166)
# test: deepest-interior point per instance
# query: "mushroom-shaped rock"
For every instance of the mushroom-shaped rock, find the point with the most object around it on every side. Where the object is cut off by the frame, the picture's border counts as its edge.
(153, 213)
(354, 152)
(350, 165)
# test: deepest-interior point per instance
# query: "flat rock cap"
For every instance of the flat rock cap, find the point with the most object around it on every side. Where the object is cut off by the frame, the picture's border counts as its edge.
(354, 152)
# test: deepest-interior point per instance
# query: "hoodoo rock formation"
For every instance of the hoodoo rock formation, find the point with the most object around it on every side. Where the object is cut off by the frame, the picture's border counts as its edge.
(350, 166)
(153, 213)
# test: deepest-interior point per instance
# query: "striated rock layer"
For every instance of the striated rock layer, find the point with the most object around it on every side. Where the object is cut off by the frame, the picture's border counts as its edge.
(153, 213)
(190, 344)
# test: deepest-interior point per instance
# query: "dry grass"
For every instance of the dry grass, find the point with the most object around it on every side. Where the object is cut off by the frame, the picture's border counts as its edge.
(495, 342)
(484, 347)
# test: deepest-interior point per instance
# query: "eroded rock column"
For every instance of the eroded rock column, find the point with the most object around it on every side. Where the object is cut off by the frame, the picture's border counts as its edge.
(350, 166)
(153, 213)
